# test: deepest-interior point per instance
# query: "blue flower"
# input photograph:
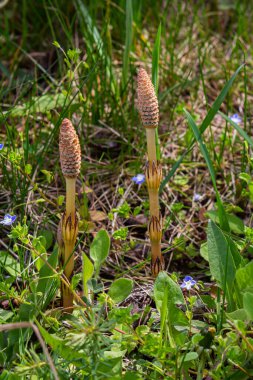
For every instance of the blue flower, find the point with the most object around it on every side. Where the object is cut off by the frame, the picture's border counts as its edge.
(197, 197)
(139, 179)
(8, 220)
(1, 146)
(236, 118)
(188, 283)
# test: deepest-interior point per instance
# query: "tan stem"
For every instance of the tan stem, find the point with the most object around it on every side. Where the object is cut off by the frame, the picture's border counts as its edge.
(69, 245)
(70, 196)
(157, 262)
(154, 202)
(151, 147)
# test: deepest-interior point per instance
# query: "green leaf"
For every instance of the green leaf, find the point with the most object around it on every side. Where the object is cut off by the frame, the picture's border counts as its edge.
(204, 251)
(38, 104)
(48, 282)
(128, 40)
(120, 289)
(175, 293)
(88, 270)
(238, 315)
(236, 225)
(244, 278)
(99, 249)
(5, 315)
(190, 356)
(28, 169)
(9, 264)
(155, 59)
(168, 295)
(245, 177)
(248, 304)
(223, 259)
(205, 124)
(48, 238)
(57, 344)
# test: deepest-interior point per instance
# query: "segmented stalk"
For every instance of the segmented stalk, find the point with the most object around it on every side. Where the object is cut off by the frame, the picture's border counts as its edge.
(149, 112)
(70, 158)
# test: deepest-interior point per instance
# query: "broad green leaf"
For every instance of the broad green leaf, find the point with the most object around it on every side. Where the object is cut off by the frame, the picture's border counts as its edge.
(88, 270)
(223, 259)
(38, 104)
(175, 293)
(248, 304)
(99, 249)
(59, 345)
(5, 315)
(236, 225)
(48, 236)
(244, 278)
(168, 295)
(245, 177)
(120, 289)
(130, 375)
(190, 356)
(204, 251)
(239, 315)
(112, 367)
(9, 264)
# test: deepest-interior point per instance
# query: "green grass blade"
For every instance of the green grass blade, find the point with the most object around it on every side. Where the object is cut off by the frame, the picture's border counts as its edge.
(238, 128)
(155, 78)
(155, 59)
(93, 34)
(128, 41)
(218, 101)
(221, 211)
(205, 124)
